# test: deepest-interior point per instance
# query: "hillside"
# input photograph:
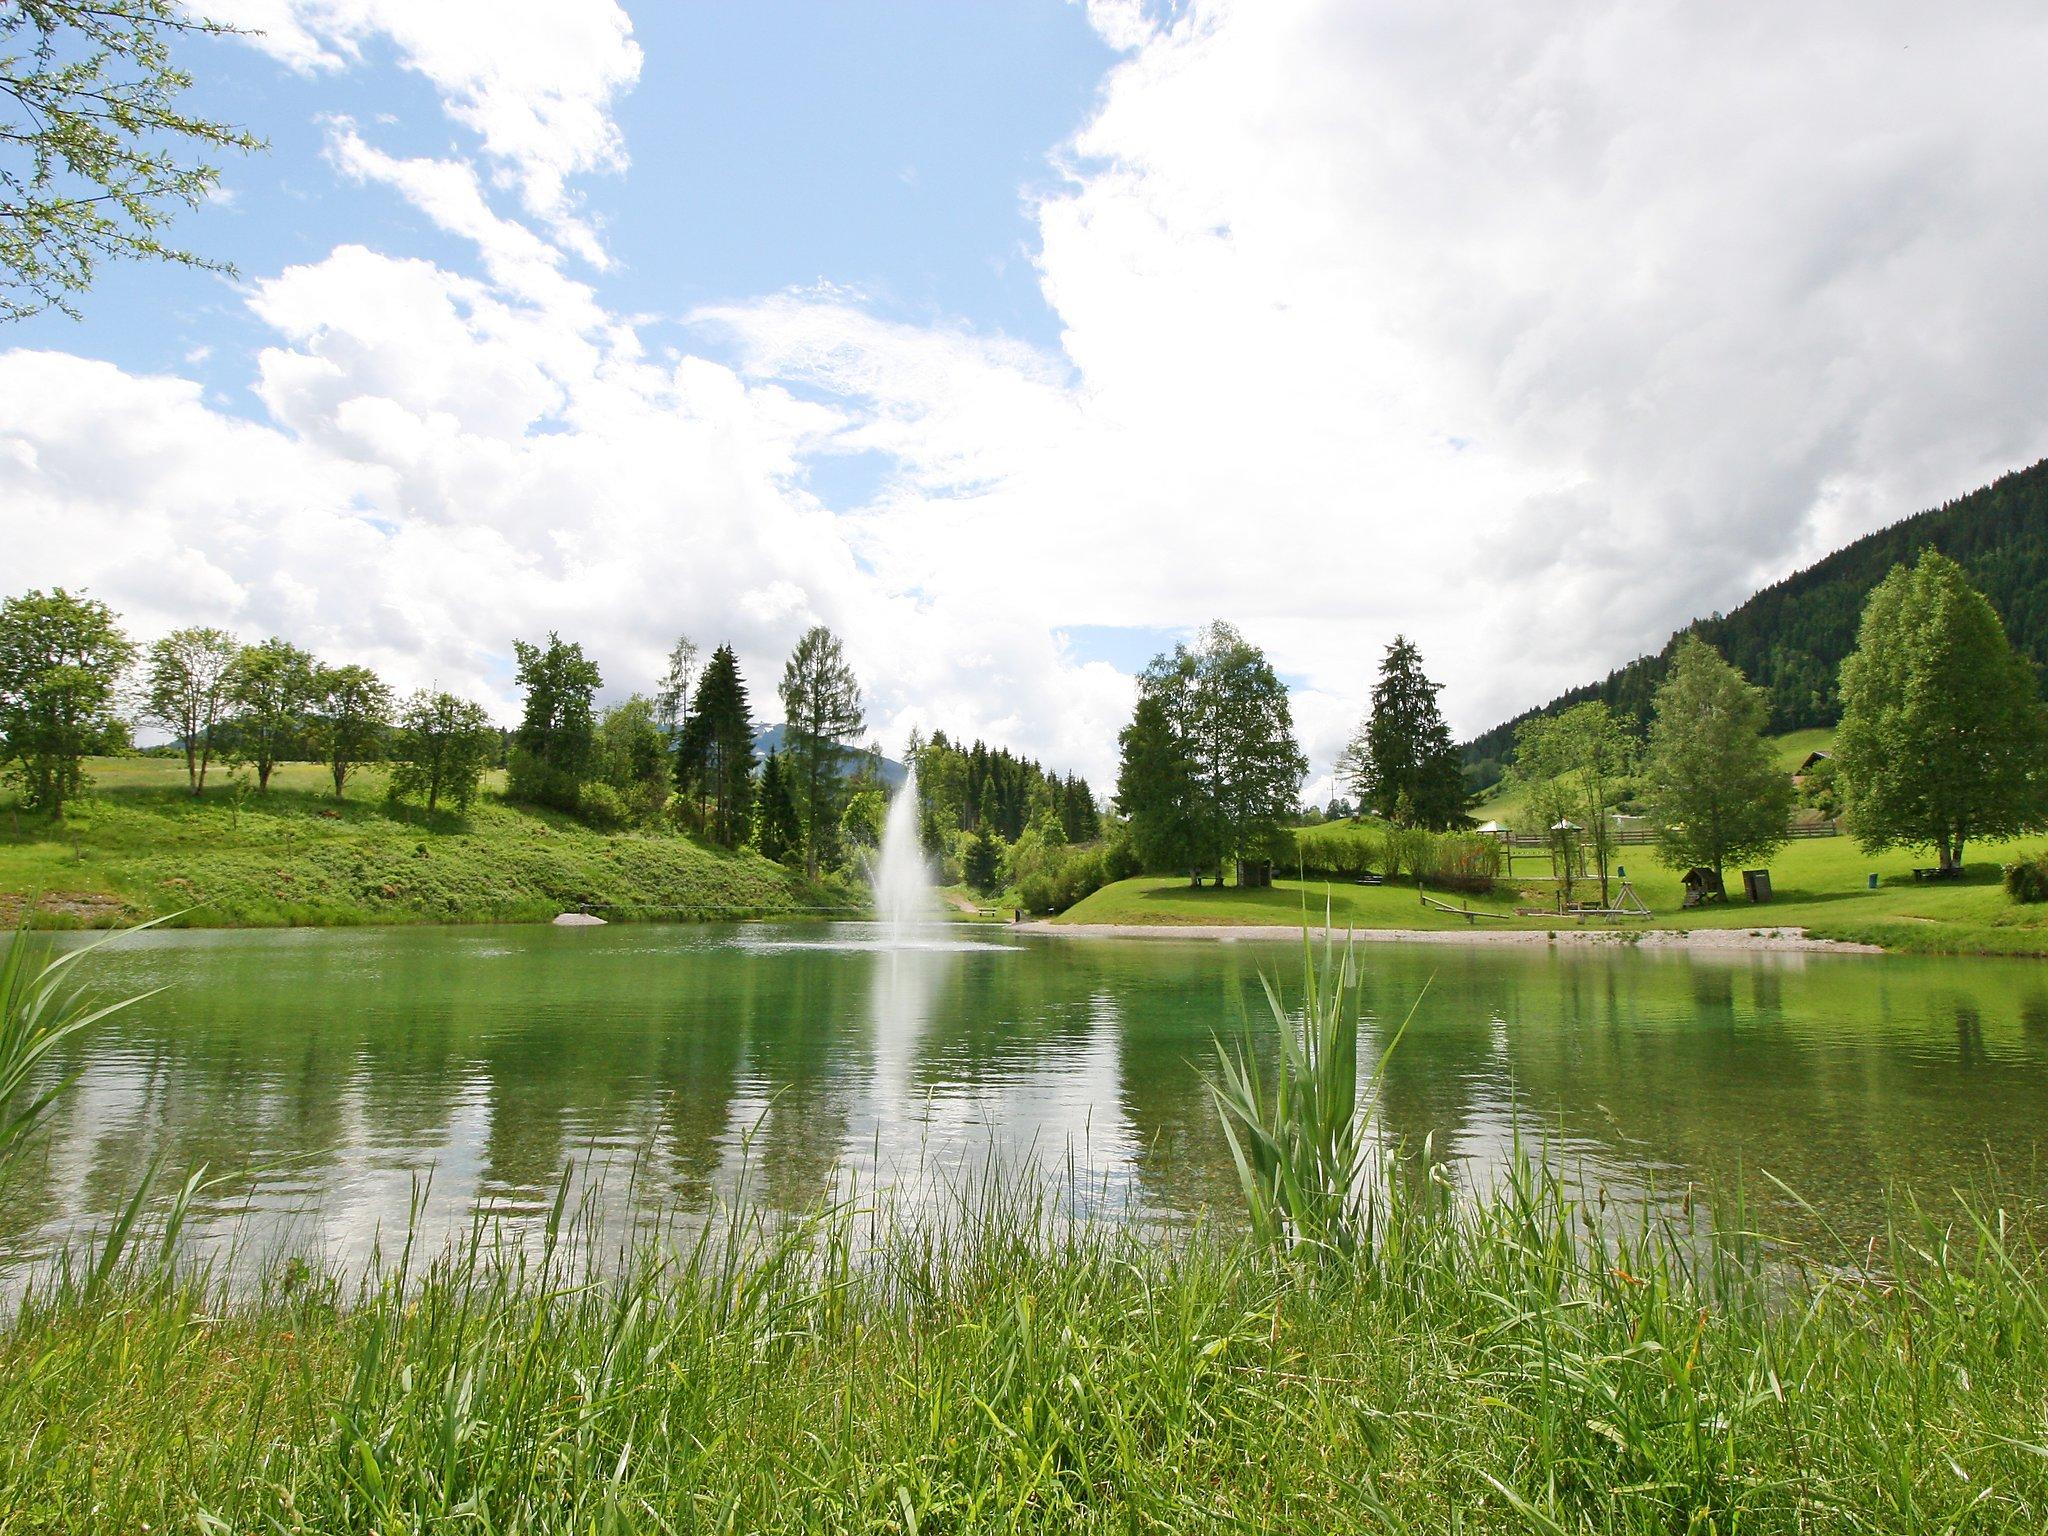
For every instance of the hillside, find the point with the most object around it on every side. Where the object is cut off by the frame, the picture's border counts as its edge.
(769, 738)
(140, 846)
(1790, 638)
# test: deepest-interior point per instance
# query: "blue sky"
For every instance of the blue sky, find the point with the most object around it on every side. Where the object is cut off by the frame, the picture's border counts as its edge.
(1015, 341)
(892, 151)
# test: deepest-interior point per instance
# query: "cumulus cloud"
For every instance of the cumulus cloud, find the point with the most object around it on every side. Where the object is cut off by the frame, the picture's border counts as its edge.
(534, 79)
(1531, 333)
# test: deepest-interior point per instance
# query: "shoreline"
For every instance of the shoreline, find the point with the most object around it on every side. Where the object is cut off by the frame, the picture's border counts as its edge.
(1753, 940)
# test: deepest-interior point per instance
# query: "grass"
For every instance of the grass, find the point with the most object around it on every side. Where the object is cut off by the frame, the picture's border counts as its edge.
(1819, 884)
(1517, 1363)
(140, 847)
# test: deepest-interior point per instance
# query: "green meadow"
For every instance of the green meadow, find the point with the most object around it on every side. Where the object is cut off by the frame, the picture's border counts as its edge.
(141, 846)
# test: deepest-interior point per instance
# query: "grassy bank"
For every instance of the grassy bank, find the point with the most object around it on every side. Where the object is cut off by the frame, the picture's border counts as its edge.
(1490, 1367)
(1820, 884)
(140, 846)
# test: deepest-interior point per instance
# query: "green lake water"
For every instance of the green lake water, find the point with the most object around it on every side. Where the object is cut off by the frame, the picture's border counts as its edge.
(335, 1080)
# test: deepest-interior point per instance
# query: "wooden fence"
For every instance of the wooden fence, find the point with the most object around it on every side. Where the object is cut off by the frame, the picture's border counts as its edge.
(1634, 837)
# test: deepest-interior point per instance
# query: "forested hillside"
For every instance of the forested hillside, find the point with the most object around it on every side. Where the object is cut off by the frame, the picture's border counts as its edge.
(1791, 638)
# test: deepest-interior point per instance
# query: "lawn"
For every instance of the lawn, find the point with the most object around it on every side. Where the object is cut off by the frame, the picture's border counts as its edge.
(140, 846)
(1820, 884)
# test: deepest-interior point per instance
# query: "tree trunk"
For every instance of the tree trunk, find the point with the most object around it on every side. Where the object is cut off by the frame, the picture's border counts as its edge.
(263, 768)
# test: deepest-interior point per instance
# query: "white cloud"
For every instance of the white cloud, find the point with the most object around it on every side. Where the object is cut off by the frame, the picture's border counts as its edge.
(534, 79)
(1531, 333)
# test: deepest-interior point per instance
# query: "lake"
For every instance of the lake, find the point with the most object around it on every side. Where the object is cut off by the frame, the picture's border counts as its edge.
(335, 1080)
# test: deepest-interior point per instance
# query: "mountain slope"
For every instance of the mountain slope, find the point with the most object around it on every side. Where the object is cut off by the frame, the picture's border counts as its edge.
(1790, 638)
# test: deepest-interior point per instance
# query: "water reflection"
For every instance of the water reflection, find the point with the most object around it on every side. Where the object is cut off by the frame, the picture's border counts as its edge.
(326, 1078)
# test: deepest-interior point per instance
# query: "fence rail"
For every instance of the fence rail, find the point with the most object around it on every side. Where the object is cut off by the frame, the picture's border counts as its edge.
(1634, 837)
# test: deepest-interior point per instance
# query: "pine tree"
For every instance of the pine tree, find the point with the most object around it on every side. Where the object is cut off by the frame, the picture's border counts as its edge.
(1712, 785)
(1943, 731)
(1156, 791)
(715, 761)
(983, 863)
(1403, 763)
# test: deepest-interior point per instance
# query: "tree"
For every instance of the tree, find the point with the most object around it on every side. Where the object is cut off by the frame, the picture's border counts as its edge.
(188, 680)
(1712, 785)
(672, 698)
(1403, 762)
(1573, 767)
(553, 749)
(61, 660)
(352, 714)
(1943, 730)
(442, 746)
(778, 832)
(272, 688)
(101, 154)
(1247, 765)
(822, 713)
(632, 757)
(983, 863)
(715, 760)
(1156, 787)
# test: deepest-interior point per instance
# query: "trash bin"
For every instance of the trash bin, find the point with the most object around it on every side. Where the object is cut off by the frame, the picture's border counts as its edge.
(1756, 884)
(1873, 881)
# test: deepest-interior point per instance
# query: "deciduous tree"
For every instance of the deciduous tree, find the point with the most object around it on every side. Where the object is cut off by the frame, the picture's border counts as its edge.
(1943, 733)
(99, 152)
(1573, 768)
(554, 747)
(1711, 783)
(61, 661)
(352, 718)
(268, 698)
(442, 745)
(188, 680)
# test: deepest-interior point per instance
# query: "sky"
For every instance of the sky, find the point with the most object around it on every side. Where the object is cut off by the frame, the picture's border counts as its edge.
(1017, 341)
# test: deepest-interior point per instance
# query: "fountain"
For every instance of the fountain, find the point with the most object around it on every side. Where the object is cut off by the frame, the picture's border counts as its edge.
(903, 885)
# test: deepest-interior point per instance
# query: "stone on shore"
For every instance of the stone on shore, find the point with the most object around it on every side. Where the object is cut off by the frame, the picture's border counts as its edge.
(577, 920)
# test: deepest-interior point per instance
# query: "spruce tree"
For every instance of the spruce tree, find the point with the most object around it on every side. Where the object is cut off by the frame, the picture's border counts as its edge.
(715, 761)
(1403, 763)
(778, 833)
(1157, 793)
(1943, 731)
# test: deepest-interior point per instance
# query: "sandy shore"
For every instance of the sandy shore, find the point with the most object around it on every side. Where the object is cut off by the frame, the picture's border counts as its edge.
(1767, 940)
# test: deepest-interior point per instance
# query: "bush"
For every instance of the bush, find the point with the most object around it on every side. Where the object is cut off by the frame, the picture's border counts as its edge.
(1050, 877)
(2027, 879)
(1462, 861)
(602, 808)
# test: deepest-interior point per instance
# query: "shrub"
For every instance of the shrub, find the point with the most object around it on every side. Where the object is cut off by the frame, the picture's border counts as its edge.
(1462, 861)
(2027, 879)
(602, 808)
(1050, 877)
